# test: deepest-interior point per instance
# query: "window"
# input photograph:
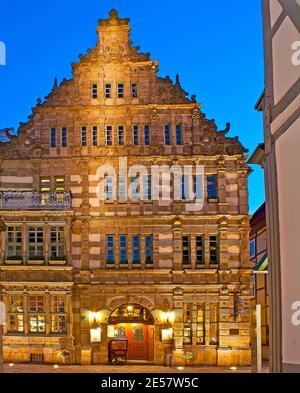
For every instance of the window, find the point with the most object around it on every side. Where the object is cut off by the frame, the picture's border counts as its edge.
(135, 135)
(147, 135)
(36, 243)
(197, 187)
(252, 248)
(94, 90)
(108, 188)
(14, 242)
(110, 251)
(186, 255)
(149, 249)
(59, 188)
(212, 187)
(53, 137)
(185, 186)
(44, 184)
(121, 135)
(64, 137)
(120, 90)
(58, 315)
(57, 242)
(147, 187)
(108, 136)
(213, 249)
(123, 249)
(187, 327)
(95, 136)
(135, 188)
(122, 188)
(134, 90)
(107, 90)
(213, 319)
(136, 249)
(15, 314)
(167, 135)
(178, 134)
(200, 332)
(187, 312)
(200, 250)
(83, 136)
(36, 314)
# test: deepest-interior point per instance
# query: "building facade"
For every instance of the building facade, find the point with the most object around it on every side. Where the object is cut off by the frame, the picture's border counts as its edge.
(78, 268)
(280, 104)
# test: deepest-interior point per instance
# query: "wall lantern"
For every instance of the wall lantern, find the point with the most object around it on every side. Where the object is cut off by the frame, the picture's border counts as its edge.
(166, 335)
(95, 335)
(95, 317)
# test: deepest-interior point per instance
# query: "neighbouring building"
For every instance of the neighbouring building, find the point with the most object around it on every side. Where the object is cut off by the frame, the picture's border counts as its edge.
(259, 257)
(76, 269)
(280, 104)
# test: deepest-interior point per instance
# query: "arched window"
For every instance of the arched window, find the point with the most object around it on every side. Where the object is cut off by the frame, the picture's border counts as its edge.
(131, 313)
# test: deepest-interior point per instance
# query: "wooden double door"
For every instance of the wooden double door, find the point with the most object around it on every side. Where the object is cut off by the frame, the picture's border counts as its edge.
(140, 340)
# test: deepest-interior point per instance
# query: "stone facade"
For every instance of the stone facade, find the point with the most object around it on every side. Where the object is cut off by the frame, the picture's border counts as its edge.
(54, 161)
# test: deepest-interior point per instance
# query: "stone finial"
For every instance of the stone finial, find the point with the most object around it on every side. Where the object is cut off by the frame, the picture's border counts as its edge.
(55, 84)
(113, 14)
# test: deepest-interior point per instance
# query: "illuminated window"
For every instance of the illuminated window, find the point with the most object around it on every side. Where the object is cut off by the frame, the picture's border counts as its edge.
(14, 242)
(95, 136)
(108, 135)
(57, 242)
(59, 188)
(213, 320)
(136, 249)
(107, 90)
(120, 90)
(94, 90)
(187, 312)
(110, 250)
(64, 137)
(58, 315)
(134, 90)
(187, 334)
(212, 187)
(45, 184)
(36, 243)
(186, 252)
(178, 134)
(121, 135)
(83, 136)
(200, 250)
(123, 249)
(147, 135)
(36, 314)
(135, 135)
(53, 137)
(15, 314)
(213, 249)
(200, 333)
(167, 135)
(149, 249)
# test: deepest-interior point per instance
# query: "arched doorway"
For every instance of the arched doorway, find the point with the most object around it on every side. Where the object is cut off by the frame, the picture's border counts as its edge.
(136, 323)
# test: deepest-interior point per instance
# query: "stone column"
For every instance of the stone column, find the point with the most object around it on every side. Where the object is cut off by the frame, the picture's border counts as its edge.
(68, 242)
(47, 312)
(24, 243)
(46, 241)
(26, 312)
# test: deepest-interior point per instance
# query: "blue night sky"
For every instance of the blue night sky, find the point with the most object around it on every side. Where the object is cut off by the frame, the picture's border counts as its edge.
(215, 46)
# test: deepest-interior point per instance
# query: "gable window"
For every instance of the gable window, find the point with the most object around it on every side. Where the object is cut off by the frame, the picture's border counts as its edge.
(149, 249)
(252, 248)
(36, 243)
(58, 314)
(212, 187)
(121, 135)
(213, 249)
(110, 250)
(107, 90)
(57, 242)
(95, 136)
(186, 252)
(108, 135)
(167, 135)
(123, 249)
(36, 314)
(94, 90)
(83, 136)
(136, 249)
(134, 90)
(120, 90)
(14, 242)
(64, 137)
(147, 135)
(135, 135)
(200, 250)
(178, 134)
(53, 137)
(15, 323)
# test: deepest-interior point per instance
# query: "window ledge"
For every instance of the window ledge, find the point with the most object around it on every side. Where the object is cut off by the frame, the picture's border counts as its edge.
(35, 262)
(57, 262)
(13, 262)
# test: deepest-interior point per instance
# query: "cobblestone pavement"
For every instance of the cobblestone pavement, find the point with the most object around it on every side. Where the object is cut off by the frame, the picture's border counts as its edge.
(141, 368)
